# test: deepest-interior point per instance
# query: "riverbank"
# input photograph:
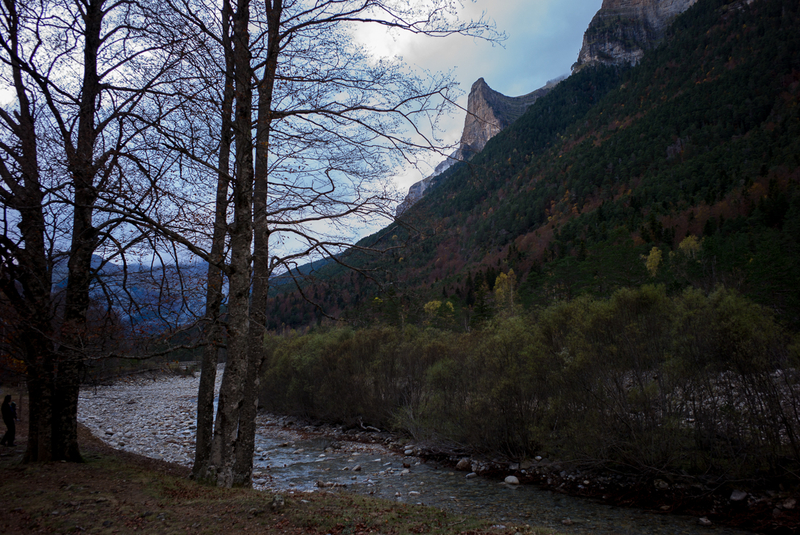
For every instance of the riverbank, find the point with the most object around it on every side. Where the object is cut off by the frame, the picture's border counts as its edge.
(124, 493)
(154, 416)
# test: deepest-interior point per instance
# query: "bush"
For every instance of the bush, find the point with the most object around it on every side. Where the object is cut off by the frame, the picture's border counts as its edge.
(692, 383)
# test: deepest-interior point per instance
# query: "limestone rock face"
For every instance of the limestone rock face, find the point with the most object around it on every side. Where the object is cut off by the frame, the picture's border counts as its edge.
(488, 112)
(623, 29)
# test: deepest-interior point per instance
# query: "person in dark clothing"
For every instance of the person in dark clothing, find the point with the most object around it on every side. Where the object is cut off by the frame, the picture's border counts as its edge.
(9, 410)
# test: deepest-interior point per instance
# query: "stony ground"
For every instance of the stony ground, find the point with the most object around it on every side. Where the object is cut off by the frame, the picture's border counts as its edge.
(116, 492)
(152, 415)
(155, 415)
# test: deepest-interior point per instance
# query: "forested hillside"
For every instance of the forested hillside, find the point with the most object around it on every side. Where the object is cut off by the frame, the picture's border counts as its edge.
(681, 171)
(613, 282)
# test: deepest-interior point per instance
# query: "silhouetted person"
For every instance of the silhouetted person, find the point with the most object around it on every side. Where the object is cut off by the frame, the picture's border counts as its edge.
(9, 411)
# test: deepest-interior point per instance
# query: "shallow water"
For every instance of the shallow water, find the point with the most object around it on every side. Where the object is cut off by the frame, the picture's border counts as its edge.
(306, 465)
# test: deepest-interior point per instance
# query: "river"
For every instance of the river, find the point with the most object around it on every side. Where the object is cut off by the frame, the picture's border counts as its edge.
(305, 465)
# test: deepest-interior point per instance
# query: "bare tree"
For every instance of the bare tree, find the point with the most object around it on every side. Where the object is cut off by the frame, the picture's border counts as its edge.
(330, 124)
(82, 72)
(306, 128)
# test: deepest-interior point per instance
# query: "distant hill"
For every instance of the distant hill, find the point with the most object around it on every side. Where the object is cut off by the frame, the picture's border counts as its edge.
(682, 171)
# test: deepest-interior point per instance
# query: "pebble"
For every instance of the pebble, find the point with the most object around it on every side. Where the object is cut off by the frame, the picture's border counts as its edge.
(738, 495)
(161, 423)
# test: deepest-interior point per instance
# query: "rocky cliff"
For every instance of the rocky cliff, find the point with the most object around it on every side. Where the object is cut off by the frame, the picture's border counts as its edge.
(623, 29)
(488, 112)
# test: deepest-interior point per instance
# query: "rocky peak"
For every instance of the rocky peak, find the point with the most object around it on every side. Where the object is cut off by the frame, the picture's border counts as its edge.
(488, 112)
(623, 29)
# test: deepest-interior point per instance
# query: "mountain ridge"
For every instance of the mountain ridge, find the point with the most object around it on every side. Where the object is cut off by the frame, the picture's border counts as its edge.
(488, 113)
(622, 30)
(699, 141)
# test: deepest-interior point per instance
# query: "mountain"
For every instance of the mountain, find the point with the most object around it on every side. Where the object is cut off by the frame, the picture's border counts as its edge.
(488, 113)
(623, 29)
(683, 170)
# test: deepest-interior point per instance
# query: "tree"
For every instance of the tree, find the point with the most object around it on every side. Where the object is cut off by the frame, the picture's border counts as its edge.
(652, 261)
(504, 292)
(317, 125)
(81, 73)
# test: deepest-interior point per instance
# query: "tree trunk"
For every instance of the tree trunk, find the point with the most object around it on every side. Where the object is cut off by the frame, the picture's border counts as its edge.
(65, 412)
(40, 413)
(226, 428)
(208, 372)
(261, 268)
(84, 242)
(33, 300)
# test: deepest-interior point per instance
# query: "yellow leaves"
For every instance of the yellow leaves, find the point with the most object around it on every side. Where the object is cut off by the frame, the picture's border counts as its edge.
(436, 308)
(504, 291)
(653, 260)
(690, 246)
(431, 308)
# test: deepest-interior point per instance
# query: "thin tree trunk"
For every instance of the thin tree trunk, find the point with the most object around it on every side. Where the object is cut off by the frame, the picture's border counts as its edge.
(226, 428)
(208, 372)
(261, 270)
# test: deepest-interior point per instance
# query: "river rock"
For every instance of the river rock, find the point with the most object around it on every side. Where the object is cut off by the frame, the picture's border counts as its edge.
(463, 464)
(472, 475)
(790, 503)
(511, 480)
(738, 495)
(704, 521)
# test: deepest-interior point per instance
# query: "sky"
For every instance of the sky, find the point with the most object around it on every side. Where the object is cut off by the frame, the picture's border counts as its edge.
(543, 41)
